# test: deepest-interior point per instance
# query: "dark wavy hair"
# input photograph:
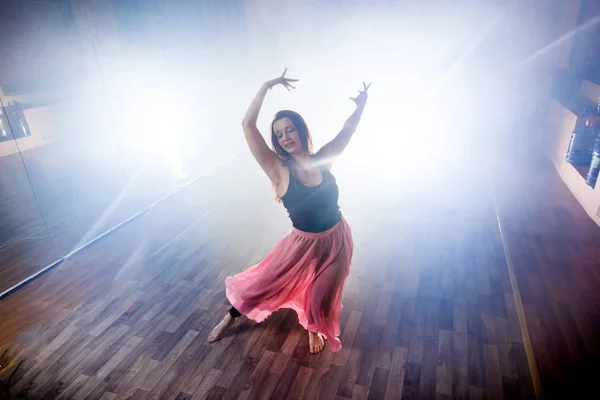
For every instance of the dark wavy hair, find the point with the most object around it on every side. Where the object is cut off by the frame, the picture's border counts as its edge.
(303, 134)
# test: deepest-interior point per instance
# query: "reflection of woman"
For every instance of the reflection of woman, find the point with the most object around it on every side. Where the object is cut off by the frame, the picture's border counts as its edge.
(307, 269)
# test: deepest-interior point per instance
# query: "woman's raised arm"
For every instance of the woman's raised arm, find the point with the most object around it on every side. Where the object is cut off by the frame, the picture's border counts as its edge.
(266, 158)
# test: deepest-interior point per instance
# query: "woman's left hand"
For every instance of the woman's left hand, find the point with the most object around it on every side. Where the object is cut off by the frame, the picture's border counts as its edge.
(362, 97)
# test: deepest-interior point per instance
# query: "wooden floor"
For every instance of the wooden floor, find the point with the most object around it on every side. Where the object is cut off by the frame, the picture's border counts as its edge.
(555, 251)
(429, 310)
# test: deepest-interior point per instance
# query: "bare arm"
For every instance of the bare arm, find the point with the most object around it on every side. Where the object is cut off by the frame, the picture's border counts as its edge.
(328, 153)
(266, 158)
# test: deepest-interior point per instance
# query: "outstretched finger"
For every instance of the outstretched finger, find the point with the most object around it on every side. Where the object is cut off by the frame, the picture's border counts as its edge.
(290, 80)
(290, 86)
(284, 72)
(366, 86)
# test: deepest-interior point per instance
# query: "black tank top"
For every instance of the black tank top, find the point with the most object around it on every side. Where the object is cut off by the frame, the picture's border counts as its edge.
(313, 208)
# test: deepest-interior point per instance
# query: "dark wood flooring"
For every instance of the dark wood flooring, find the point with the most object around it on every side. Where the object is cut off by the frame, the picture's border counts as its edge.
(429, 310)
(555, 251)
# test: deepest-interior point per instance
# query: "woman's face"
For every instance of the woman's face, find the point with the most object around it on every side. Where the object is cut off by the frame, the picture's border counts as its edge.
(287, 136)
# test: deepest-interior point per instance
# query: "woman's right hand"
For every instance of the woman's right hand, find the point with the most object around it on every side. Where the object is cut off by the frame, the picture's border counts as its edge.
(282, 80)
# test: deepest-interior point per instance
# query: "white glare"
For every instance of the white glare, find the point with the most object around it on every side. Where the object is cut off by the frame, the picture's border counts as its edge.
(153, 123)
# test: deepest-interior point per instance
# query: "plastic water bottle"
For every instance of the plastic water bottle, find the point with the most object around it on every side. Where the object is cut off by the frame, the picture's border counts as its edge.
(581, 145)
(592, 175)
(3, 128)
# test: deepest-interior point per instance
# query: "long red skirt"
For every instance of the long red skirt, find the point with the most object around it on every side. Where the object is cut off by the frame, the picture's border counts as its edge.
(304, 272)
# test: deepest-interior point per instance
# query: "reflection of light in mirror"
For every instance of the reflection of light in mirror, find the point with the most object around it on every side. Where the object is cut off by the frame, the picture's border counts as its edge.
(94, 230)
(151, 118)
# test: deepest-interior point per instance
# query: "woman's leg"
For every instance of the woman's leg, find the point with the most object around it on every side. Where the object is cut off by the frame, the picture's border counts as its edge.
(324, 304)
(226, 322)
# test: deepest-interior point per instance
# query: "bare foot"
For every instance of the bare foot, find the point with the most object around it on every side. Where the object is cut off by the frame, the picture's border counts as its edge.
(316, 342)
(219, 330)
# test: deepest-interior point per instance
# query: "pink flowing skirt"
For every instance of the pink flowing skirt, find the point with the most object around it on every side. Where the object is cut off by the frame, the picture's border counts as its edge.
(304, 272)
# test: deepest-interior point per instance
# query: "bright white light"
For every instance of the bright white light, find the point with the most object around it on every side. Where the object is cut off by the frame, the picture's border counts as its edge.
(152, 121)
(403, 133)
(177, 169)
(421, 101)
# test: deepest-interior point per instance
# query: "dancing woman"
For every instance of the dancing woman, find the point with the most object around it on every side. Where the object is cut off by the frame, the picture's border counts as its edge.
(307, 269)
